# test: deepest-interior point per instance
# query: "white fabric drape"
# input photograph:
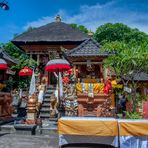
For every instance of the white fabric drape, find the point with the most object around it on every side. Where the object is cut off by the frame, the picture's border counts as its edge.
(32, 88)
(20, 93)
(55, 75)
(60, 85)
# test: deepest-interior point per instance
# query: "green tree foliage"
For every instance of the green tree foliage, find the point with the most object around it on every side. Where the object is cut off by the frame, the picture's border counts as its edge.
(12, 50)
(127, 60)
(129, 48)
(19, 55)
(119, 32)
(80, 27)
(23, 60)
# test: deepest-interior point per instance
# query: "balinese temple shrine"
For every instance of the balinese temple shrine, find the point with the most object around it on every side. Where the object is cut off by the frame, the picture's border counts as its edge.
(60, 40)
(48, 42)
(88, 59)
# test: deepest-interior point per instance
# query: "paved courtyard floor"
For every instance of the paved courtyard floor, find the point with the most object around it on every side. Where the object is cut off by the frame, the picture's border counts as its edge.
(28, 141)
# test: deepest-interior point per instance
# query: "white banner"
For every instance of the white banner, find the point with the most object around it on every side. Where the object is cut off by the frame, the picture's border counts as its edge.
(32, 88)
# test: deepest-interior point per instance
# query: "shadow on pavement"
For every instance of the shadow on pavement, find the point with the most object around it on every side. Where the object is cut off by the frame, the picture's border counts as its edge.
(3, 134)
(87, 146)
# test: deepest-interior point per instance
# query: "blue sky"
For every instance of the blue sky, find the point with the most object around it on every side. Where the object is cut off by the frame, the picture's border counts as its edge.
(90, 13)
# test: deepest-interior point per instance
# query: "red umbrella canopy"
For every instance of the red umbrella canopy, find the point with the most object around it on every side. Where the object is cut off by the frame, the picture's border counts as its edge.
(25, 72)
(57, 65)
(3, 64)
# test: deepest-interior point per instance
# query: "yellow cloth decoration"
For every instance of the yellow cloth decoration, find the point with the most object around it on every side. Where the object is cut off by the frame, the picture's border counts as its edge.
(133, 128)
(98, 87)
(2, 86)
(115, 85)
(90, 80)
(114, 82)
(88, 127)
(79, 87)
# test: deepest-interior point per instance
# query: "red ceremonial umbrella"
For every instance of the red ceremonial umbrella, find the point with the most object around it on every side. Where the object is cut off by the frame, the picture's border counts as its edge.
(57, 65)
(25, 72)
(3, 64)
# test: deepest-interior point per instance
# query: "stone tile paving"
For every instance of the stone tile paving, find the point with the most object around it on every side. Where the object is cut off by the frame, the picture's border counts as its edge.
(42, 141)
(28, 141)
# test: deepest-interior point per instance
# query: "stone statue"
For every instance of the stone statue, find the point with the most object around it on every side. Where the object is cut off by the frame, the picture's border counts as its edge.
(53, 106)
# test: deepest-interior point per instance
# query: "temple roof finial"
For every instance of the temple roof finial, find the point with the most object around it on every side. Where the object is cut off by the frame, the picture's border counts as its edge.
(90, 33)
(58, 19)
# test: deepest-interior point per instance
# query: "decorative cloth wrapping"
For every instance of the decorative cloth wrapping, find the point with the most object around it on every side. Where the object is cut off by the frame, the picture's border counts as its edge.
(20, 93)
(88, 130)
(60, 85)
(40, 96)
(133, 133)
(83, 87)
(32, 88)
(56, 93)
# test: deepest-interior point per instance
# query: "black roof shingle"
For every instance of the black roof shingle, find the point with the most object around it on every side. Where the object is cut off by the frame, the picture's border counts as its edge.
(52, 32)
(88, 48)
(6, 56)
(141, 77)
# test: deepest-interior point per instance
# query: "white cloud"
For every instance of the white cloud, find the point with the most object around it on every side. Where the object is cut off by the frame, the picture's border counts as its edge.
(96, 15)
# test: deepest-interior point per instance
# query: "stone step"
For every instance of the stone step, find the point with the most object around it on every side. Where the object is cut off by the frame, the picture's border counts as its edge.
(6, 120)
(48, 123)
(14, 115)
(25, 129)
(47, 130)
(50, 91)
(48, 118)
(8, 128)
(51, 87)
(46, 100)
(45, 105)
(52, 121)
(45, 109)
(47, 95)
(44, 115)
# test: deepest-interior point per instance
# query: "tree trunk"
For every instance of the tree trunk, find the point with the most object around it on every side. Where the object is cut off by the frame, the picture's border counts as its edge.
(134, 97)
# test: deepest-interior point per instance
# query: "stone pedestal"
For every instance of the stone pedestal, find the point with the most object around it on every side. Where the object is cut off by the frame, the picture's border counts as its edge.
(31, 110)
(25, 129)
